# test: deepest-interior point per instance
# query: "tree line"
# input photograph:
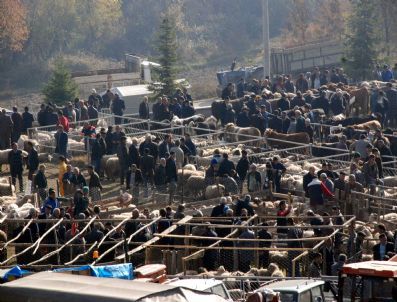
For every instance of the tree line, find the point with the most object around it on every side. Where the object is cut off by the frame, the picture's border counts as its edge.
(208, 32)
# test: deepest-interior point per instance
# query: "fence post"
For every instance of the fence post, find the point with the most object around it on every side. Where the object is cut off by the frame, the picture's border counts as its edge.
(311, 149)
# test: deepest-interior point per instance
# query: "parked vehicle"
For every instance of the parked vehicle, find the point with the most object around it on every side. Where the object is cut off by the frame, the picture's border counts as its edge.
(298, 290)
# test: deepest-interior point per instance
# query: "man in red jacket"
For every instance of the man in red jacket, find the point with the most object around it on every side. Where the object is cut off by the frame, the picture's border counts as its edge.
(63, 120)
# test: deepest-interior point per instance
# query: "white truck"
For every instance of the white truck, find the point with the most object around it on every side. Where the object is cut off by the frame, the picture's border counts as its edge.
(298, 290)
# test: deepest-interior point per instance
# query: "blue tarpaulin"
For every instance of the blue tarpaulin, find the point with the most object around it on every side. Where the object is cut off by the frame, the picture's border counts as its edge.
(119, 271)
(13, 273)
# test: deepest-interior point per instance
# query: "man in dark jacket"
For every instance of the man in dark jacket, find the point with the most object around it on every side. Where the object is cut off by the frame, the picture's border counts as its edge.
(172, 175)
(302, 84)
(165, 146)
(242, 168)
(122, 154)
(243, 119)
(80, 201)
(156, 110)
(190, 144)
(134, 153)
(187, 110)
(134, 180)
(283, 103)
(337, 103)
(307, 178)
(109, 140)
(92, 111)
(144, 109)
(27, 120)
(98, 150)
(15, 161)
(61, 141)
(226, 165)
(228, 92)
(33, 160)
(149, 144)
(244, 204)
(229, 116)
(16, 118)
(118, 107)
(300, 122)
(381, 249)
(285, 122)
(147, 168)
(321, 102)
(42, 115)
(160, 176)
(94, 184)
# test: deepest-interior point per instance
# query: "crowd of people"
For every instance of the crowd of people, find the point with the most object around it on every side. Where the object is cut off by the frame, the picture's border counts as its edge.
(152, 166)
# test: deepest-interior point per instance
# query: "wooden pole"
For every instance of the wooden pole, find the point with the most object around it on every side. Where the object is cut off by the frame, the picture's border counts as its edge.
(155, 239)
(128, 241)
(19, 235)
(63, 246)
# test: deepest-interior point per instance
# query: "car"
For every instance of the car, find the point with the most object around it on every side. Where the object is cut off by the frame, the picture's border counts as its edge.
(298, 290)
(214, 286)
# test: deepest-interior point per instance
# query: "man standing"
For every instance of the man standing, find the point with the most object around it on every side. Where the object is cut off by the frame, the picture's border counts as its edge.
(381, 249)
(279, 170)
(179, 154)
(94, 184)
(144, 109)
(17, 124)
(61, 141)
(27, 120)
(33, 160)
(307, 178)
(122, 154)
(315, 267)
(134, 153)
(172, 175)
(98, 150)
(391, 95)
(63, 121)
(242, 168)
(118, 107)
(15, 161)
(147, 168)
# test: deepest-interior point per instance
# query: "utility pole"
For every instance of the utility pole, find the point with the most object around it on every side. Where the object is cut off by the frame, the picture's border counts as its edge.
(266, 42)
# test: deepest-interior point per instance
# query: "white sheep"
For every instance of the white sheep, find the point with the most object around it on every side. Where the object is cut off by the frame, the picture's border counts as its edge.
(214, 191)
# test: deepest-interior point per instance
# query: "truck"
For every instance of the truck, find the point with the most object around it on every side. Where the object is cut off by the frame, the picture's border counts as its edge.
(234, 76)
(297, 290)
(295, 60)
(368, 281)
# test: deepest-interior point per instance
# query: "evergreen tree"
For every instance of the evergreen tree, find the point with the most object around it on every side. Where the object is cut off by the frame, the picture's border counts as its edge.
(167, 47)
(361, 41)
(61, 88)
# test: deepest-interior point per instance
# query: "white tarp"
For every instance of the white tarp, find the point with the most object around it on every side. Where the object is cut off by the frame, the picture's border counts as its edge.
(58, 287)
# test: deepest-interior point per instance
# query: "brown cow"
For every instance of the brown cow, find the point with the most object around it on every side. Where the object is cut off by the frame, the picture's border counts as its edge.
(282, 140)
(235, 134)
(360, 104)
(373, 125)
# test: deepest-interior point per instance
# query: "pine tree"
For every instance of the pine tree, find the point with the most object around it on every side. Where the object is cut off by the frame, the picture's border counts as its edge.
(167, 47)
(361, 41)
(61, 87)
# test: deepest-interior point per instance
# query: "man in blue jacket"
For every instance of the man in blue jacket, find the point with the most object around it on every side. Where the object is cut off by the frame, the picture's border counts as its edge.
(51, 201)
(387, 74)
